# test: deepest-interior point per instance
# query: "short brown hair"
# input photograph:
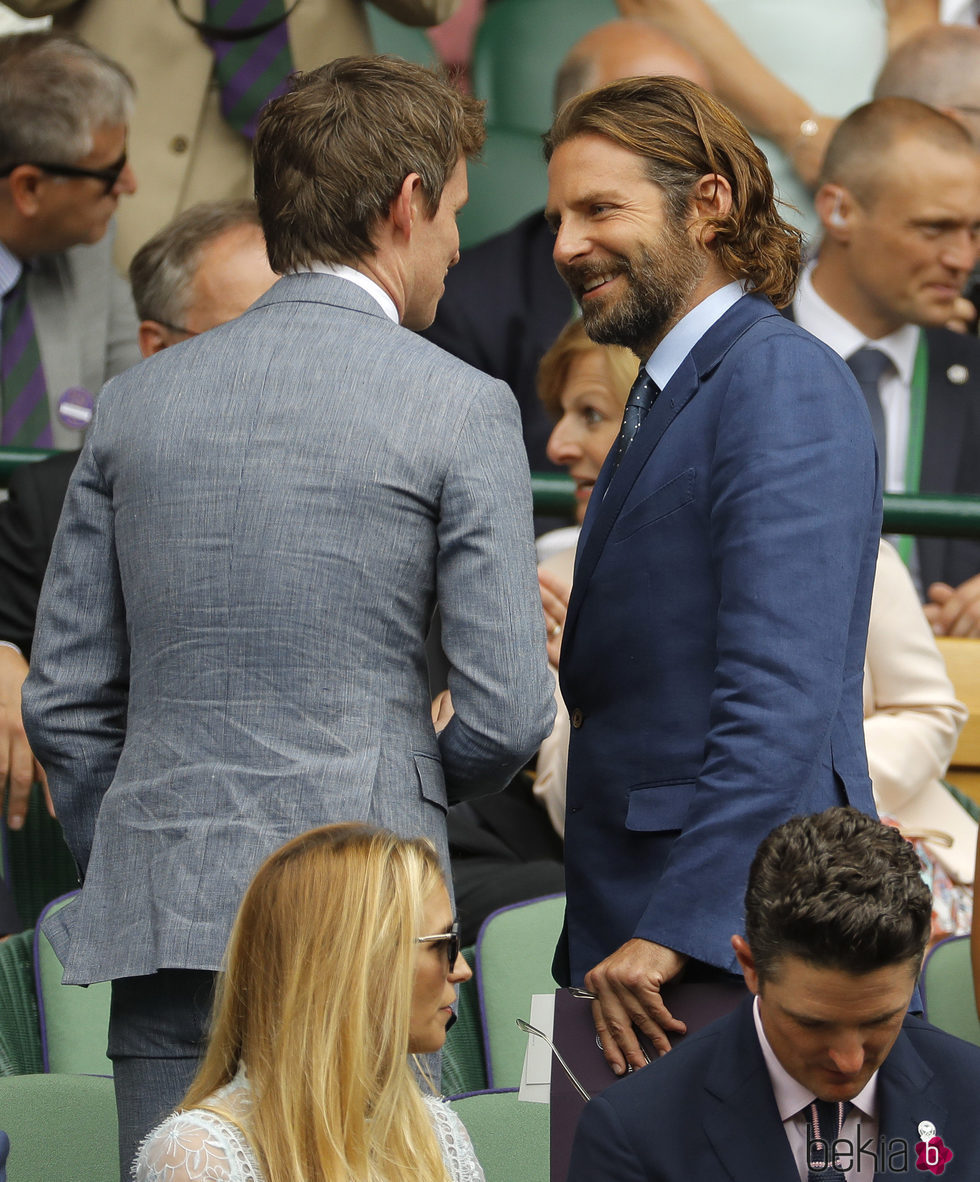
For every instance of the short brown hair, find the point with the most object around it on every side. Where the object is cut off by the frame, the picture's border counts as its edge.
(332, 153)
(572, 342)
(837, 889)
(857, 155)
(683, 134)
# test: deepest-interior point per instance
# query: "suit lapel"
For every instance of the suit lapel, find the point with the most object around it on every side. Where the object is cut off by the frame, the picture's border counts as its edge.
(904, 1100)
(741, 1119)
(611, 490)
(945, 418)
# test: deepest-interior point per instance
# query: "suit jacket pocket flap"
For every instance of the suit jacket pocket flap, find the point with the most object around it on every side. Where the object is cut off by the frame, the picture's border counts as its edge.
(652, 809)
(432, 783)
(669, 497)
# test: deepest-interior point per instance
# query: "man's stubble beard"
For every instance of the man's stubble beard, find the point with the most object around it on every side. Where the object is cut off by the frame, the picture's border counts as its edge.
(659, 285)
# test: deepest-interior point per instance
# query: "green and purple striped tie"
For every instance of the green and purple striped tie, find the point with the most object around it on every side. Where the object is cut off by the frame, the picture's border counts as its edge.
(26, 416)
(250, 70)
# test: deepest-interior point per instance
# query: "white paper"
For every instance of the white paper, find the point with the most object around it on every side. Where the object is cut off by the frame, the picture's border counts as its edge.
(536, 1072)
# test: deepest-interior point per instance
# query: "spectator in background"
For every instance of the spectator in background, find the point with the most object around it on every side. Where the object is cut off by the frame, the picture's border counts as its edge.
(824, 1073)
(505, 302)
(201, 80)
(67, 318)
(343, 961)
(900, 206)
(202, 270)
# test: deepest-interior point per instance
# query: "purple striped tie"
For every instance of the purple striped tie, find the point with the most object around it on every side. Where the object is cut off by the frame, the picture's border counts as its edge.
(26, 416)
(254, 69)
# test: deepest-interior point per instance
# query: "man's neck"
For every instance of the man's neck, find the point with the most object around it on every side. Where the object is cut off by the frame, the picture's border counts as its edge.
(833, 285)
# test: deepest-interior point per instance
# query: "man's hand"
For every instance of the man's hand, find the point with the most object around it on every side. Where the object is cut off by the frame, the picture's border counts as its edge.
(962, 316)
(18, 767)
(442, 711)
(554, 600)
(955, 611)
(627, 988)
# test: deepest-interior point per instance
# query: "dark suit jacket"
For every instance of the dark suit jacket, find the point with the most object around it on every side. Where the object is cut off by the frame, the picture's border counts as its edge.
(714, 647)
(951, 445)
(706, 1111)
(27, 526)
(951, 449)
(504, 306)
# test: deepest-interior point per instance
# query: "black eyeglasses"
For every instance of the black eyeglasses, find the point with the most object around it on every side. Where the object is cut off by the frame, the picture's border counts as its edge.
(108, 176)
(451, 939)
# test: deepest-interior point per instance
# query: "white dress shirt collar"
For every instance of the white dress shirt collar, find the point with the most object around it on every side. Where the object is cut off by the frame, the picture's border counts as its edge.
(364, 282)
(813, 313)
(10, 270)
(667, 357)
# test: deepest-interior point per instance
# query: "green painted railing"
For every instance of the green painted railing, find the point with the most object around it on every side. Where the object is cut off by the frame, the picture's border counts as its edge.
(927, 515)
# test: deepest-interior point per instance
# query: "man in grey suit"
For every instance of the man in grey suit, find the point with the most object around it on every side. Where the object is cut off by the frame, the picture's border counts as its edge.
(230, 638)
(68, 322)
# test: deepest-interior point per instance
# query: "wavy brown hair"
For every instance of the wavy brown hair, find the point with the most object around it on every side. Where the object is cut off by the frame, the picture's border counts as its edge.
(683, 134)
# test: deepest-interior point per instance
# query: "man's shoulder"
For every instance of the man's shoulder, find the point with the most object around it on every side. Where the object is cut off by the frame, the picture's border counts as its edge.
(941, 1049)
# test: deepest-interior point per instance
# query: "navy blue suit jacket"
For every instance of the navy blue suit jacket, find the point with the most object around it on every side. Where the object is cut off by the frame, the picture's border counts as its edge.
(706, 1111)
(714, 647)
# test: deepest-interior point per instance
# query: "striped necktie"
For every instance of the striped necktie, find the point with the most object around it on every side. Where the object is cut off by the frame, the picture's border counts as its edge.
(250, 70)
(26, 416)
(824, 1125)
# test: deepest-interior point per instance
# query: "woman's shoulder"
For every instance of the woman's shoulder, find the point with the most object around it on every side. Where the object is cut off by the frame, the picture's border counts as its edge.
(201, 1144)
(457, 1149)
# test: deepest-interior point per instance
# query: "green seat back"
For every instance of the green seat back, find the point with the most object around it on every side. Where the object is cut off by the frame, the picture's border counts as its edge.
(463, 1068)
(391, 36)
(508, 181)
(947, 989)
(513, 955)
(62, 1128)
(20, 1036)
(510, 1136)
(37, 864)
(519, 47)
(74, 1020)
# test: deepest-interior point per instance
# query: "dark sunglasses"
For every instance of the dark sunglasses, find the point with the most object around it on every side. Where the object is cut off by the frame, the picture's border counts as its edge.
(451, 939)
(108, 176)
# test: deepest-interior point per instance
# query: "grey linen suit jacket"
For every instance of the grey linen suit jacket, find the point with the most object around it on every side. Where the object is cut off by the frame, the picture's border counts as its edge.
(229, 647)
(85, 322)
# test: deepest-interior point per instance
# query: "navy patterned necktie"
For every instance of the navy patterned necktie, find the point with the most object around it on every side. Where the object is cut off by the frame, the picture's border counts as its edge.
(824, 1124)
(868, 365)
(641, 398)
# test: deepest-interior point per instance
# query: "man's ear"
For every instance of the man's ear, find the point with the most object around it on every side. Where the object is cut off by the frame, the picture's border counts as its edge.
(711, 198)
(743, 954)
(153, 337)
(24, 184)
(404, 204)
(835, 208)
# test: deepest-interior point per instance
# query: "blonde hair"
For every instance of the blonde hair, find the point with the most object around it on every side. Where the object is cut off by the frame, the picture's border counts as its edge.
(572, 342)
(315, 1002)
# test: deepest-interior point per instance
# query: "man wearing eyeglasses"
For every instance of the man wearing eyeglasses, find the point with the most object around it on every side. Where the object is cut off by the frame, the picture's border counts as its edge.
(67, 323)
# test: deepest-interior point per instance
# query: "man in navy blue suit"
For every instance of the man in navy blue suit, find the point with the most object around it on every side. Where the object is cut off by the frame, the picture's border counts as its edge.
(714, 644)
(824, 1070)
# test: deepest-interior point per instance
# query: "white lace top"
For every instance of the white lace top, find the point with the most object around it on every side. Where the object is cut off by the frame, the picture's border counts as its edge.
(201, 1146)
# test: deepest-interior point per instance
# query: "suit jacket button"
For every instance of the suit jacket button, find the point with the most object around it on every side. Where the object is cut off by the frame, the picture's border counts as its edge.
(179, 144)
(577, 718)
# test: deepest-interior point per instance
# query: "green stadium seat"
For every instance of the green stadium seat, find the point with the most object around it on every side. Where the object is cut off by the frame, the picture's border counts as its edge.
(62, 1128)
(510, 1136)
(947, 989)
